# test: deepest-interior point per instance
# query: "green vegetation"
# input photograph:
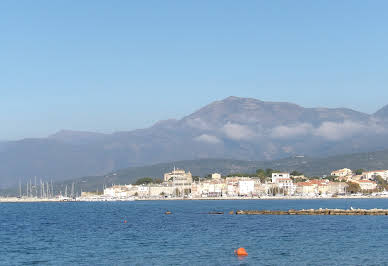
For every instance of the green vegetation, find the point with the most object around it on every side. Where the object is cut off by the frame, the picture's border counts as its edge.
(261, 174)
(299, 179)
(144, 180)
(296, 173)
(332, 178)
(353, 187)
(359, 171)
(196, 178)
(158, 181)
(381, 183)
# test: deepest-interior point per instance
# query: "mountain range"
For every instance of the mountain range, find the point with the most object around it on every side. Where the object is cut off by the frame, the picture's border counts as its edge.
(202, 167)
(233, 128)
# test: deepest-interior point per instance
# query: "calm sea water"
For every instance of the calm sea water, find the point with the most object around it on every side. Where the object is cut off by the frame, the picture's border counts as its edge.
(95, 234)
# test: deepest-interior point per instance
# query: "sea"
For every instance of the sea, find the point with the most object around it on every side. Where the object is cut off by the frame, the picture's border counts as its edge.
(140, 233)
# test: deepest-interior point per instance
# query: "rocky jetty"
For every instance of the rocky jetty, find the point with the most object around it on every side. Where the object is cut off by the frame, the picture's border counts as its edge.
(316, 212)
(216, 213)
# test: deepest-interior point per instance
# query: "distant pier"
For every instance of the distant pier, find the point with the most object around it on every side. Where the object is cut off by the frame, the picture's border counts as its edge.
(315, 212)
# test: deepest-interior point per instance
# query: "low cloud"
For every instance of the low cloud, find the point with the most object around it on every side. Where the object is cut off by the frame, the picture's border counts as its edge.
(285, 132)
(208, 139)
(332, 131)
(337, 131)
(237, 131)
(198, 123)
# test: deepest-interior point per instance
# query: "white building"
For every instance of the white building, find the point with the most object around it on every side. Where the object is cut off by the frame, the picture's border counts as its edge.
(118, 191)
(366, 184)
(276, 176)
(216, 176)
(209, 188)
(181, 180)
(161, 190)
(286, 184)
(342, 172)
(246, 187)
(178, 174)
(371, 175)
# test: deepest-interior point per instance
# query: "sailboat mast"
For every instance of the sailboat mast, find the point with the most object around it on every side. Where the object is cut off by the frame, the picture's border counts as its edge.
(20, 189)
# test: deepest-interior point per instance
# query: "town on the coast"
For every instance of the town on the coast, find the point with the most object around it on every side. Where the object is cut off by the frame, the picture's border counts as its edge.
(264, 184)
(179, 184)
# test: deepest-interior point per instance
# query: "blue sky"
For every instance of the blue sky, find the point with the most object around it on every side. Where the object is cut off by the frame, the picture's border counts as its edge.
(119, 65)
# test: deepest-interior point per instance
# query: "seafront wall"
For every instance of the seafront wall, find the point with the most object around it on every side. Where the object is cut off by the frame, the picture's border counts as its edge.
(15, 199)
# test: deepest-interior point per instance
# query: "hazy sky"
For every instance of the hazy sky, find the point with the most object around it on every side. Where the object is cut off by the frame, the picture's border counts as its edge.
(119, 65)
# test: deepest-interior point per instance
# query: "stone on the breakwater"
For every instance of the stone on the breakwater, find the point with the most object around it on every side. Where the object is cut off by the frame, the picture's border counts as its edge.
(216, 213)
(316, 212)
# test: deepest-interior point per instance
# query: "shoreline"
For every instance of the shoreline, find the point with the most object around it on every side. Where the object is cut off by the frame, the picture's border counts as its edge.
(38, 200)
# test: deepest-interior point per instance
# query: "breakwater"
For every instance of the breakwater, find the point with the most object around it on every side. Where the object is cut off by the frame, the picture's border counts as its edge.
(315, 212)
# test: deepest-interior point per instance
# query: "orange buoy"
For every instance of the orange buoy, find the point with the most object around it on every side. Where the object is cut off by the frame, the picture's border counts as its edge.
(241, 252)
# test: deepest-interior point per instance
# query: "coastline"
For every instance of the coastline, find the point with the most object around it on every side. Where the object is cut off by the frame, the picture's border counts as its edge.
(38, 200)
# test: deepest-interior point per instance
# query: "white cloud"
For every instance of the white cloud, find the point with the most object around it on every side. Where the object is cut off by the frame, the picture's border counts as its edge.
(237, 131)
(337, 131)
(284, 132)
(208, 139)
(332, 131)
(198, 123)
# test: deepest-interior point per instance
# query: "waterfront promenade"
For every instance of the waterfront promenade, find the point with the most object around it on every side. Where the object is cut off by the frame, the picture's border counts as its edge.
(81, 199)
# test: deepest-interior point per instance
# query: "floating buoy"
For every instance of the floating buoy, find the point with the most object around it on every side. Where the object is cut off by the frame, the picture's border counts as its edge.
(125, 221)
(241, 252)
(231, 212)
(167, 212)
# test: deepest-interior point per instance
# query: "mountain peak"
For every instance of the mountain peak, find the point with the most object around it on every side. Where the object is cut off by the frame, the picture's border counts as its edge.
(235, 98)
(245, 110)
(239, 99)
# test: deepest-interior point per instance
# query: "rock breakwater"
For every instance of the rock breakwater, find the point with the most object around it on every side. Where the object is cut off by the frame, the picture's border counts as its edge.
(315, 212)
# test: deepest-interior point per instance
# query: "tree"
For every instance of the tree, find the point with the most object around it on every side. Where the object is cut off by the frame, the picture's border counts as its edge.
(196, 178)
(186, 191)
(380, 180)
(353, 187)
(332, 178)
(359, 171)
(381, 183)
(260, 172)
(177, 192)
(299, 179)
(269, 171)
(158, 181)
(296, 173)
(144, 180)
(241, 175)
